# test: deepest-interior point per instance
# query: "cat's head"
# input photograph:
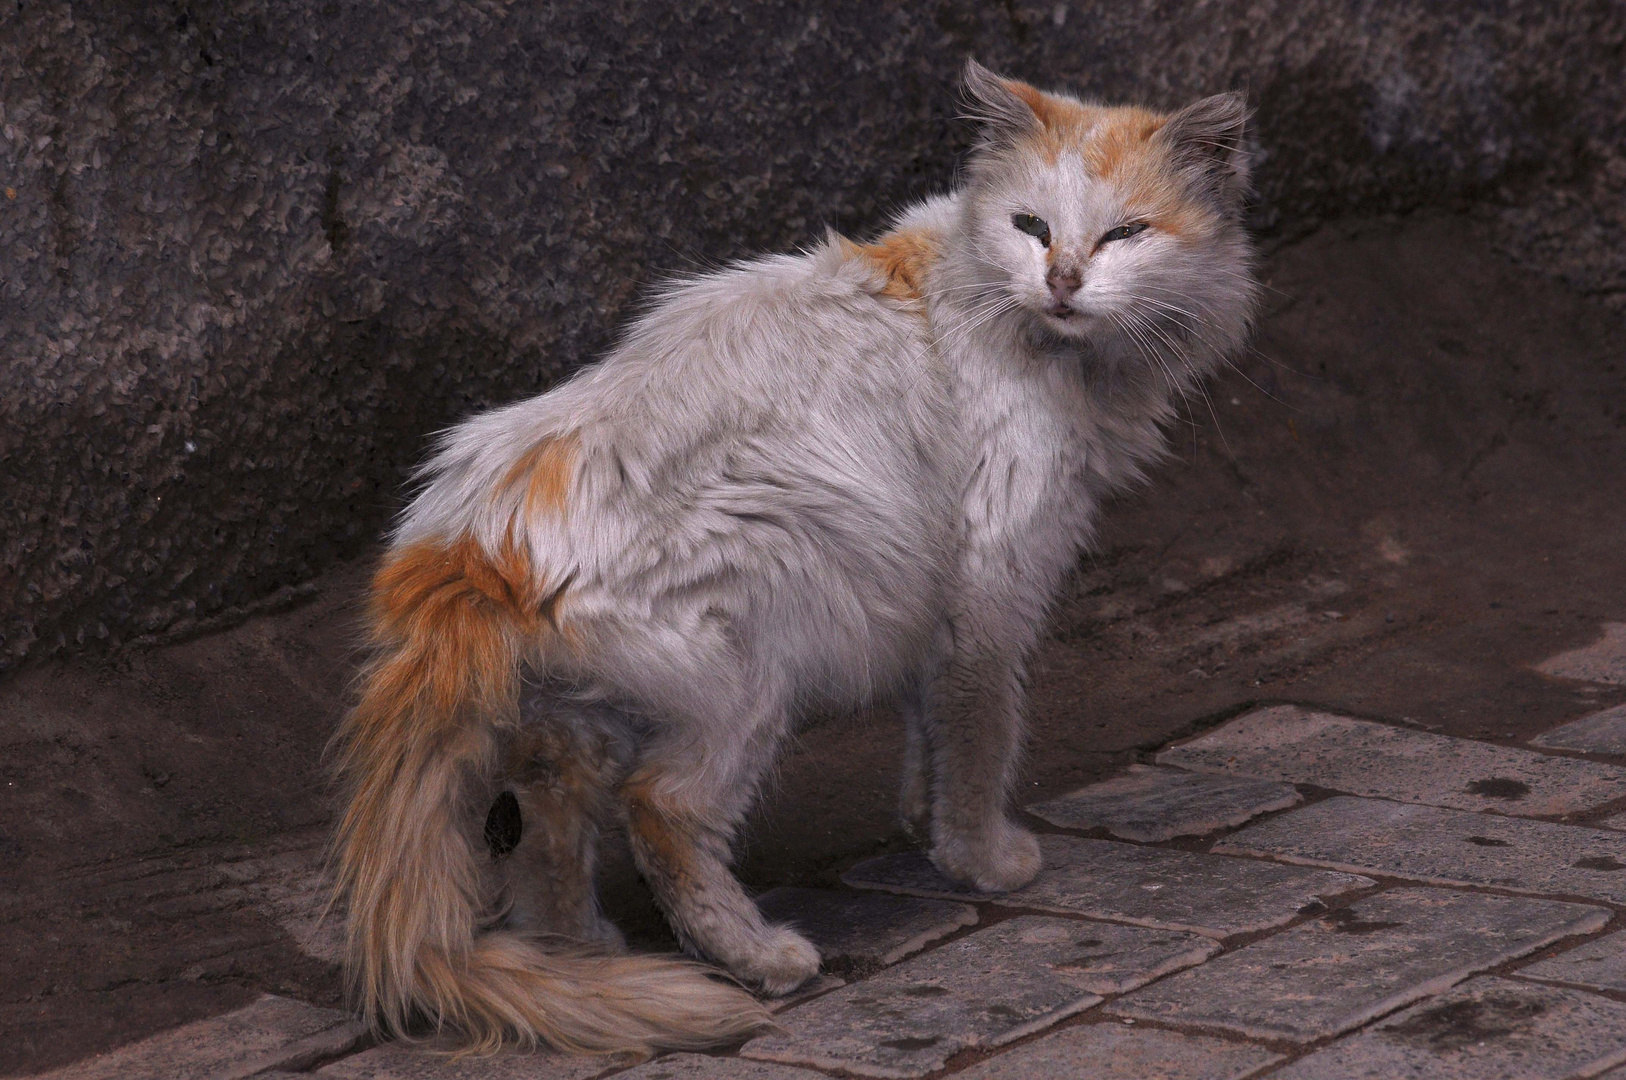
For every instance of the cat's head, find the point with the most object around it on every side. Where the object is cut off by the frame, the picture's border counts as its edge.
(1111, 220)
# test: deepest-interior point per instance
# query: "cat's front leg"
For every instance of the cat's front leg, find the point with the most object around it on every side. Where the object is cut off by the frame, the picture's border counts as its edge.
(915, 795)
(974, 727)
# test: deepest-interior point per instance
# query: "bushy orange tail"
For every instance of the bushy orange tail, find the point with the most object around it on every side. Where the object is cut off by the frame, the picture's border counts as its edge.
(452, 626)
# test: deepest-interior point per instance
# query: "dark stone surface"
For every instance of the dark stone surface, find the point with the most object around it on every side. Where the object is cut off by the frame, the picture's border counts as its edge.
(251, 253)
(859, 933)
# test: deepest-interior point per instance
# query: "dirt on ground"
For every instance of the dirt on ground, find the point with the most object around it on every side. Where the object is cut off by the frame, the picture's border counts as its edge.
(1409, 493)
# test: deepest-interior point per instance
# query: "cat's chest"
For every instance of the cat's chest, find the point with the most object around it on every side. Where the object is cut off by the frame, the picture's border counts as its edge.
(1031, 442)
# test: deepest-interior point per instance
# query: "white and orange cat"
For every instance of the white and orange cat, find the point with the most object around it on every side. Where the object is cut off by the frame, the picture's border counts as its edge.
(802, 482)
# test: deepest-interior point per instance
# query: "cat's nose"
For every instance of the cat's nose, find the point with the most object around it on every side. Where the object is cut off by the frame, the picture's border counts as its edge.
(1063, 282)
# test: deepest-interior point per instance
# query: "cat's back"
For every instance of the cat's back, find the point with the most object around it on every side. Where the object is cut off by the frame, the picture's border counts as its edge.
(778, 334)
(807, 372)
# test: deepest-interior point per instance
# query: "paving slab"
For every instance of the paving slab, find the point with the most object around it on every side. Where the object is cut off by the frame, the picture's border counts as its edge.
(1115, 1052)
(706, 1067)
(270, 1033)
(1600, 964)
(1150, 804)
(1334, 973)
(1444, 847)
(1603, 661)
(857, 933)
(1485, 1029)
(293, 889)
(403, 1061)
(1285, 742)
(1169, 890)
(821, 983)
(1596, 733)
(984, 989)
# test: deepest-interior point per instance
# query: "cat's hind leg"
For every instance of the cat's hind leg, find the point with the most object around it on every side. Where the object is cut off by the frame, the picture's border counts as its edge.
(684, 800)
(683, 853)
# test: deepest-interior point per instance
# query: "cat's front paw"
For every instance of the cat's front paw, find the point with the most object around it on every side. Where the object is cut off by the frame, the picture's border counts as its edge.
(781, 963)
(915, 811)
(999, 860)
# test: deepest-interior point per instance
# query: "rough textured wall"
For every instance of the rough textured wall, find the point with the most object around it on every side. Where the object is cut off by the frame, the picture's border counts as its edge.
(252, 251)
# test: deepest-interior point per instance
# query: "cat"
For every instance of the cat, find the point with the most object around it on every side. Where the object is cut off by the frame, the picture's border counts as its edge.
(798, 483)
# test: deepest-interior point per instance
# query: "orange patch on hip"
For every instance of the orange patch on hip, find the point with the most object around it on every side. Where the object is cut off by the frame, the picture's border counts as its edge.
(432, 589)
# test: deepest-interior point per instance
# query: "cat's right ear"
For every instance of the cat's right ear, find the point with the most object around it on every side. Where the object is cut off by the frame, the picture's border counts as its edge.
(1005, 108)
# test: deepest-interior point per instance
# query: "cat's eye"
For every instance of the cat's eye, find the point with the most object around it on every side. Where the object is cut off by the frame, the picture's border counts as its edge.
(1035, 227)
(1124, 232)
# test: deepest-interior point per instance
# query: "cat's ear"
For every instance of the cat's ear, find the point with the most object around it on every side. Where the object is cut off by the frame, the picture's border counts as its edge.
(1208, 140)
(1004, 107)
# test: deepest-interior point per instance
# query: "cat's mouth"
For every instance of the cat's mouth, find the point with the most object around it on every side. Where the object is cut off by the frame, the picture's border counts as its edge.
(1063, 312)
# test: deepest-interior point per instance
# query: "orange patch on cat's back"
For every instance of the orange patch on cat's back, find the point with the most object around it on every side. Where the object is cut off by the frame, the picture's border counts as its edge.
(904, 256)
(546, 470)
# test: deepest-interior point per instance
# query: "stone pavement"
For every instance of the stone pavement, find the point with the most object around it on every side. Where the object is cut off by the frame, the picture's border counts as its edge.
(1295, 895)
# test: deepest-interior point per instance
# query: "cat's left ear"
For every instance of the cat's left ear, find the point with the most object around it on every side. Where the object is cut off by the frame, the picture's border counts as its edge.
(1209, 142)
(1006, 108)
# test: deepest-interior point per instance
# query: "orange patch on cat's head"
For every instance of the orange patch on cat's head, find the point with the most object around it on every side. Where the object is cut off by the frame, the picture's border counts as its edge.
(1121, 136)
(1123, 150)
(1156, 194)
(1101, 134)
(904, 256)
(1115, 143)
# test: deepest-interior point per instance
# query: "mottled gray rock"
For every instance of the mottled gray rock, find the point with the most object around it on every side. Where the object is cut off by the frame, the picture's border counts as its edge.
(1174, 890)
(984, 989)
(1485, 1029)
(394, 1061)
(706, 1067)
(1445, 847)
(1601, 732)
(1148, 804)
(1285, 742)
(272, 1033)
(252, 254)
(1112, 1051)
(856, 933)
(1600, 964)
(1604, 661)
(1334, 973)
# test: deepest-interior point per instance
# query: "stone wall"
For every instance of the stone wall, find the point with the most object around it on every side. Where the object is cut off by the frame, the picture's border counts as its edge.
(253, 251)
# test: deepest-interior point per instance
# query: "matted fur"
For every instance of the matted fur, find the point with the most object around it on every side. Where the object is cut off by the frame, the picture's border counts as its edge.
(800, 482)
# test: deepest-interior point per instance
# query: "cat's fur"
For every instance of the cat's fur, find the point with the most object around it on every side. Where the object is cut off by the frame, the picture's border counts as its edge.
(802, 482)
